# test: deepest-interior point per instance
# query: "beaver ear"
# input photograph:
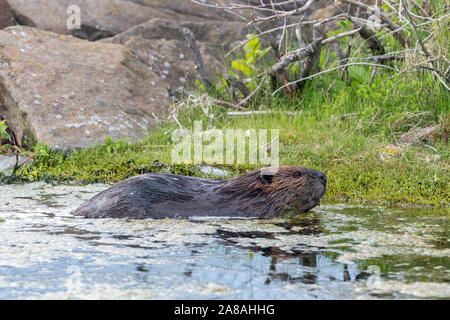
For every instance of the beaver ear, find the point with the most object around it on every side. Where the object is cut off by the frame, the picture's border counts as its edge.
(266, 178)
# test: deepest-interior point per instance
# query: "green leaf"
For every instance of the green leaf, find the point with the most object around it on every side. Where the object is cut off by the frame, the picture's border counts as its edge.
(242, 66)
(253, 43)
(359, 73)
(251, 60)
(224, 81)
(296, 67)
(346, 24)
(3, 133)
(252, 46)
(231, 73)
(262, 53)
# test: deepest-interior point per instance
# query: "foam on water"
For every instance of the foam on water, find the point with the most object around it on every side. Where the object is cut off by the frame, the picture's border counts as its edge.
(334, 252)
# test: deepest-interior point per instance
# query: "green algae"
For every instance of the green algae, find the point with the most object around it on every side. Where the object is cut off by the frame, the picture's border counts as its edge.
(47, 253)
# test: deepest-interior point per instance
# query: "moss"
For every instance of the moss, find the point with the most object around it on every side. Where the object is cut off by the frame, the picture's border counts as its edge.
(349, 131)
(352, 162)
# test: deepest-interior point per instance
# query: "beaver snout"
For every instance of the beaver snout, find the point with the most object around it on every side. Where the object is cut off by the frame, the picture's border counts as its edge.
(322, 177)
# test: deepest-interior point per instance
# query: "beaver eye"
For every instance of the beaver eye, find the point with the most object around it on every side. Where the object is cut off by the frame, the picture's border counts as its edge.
(297, 174)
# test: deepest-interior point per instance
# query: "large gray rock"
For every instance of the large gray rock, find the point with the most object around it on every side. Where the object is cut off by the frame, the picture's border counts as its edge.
(105, 18)
(160, 44)
(6, 18)
(186, 10)
(150, 28)
(68, 92)
(99, 18)
(7, 164)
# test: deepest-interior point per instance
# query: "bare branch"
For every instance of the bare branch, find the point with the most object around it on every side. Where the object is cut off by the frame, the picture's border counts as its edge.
(285, 14)
(399, 35)
(198, 60)
(437, 71)
(301, 23)
(296, 55)
(332, 69)
(251, 94)
(341, 35)
(424, 49)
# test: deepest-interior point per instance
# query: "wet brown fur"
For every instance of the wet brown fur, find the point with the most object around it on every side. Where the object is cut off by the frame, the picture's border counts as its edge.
(283, 190)
(259, 193)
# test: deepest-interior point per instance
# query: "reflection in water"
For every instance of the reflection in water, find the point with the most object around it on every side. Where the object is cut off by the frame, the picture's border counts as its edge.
(334, 252)
(312, 259)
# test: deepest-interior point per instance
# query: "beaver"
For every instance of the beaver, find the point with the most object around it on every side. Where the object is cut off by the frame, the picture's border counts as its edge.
(263, 193)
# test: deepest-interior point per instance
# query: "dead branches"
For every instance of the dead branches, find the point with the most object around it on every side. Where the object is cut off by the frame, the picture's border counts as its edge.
(234, 83)
(198, 60)
(228, 104)
(330, 70)
(425, 50)
(298, 60)
(397, 30)
(296, 55)
(373, 42)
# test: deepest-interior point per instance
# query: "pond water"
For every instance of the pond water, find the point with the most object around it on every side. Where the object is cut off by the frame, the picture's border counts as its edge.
(336, 251)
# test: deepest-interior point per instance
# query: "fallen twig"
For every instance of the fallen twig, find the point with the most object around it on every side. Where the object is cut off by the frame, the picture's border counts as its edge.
(249, 113)
(446, 78)
(416, 135)
(300, 23)
(284, 14)
(227, 104)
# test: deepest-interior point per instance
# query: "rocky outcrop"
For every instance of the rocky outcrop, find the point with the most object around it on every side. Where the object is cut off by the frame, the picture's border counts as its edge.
(187, 10)
(152, 29)
(106, 18)
(160, 44)
(68, 92)
(8, 163)
(6, 18)
(99, 18)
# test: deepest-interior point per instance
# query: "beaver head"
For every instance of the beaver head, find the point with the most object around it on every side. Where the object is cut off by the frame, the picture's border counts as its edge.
(266, 192)
(304, 186)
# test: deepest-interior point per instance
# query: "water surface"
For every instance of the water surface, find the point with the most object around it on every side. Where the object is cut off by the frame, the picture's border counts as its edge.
(334, 252)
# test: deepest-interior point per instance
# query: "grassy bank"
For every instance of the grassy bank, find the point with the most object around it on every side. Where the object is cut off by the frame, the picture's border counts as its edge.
(380, 143)
(351, 132)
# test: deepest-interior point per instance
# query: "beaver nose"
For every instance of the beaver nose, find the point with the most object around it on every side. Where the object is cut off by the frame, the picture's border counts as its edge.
(322, 177)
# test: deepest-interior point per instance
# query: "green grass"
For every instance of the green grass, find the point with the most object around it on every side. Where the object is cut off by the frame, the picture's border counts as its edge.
(345, 128)
(355, 152)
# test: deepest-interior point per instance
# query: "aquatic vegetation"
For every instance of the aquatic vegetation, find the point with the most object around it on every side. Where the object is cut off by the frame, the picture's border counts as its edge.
(388, 252)
(382, 143)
